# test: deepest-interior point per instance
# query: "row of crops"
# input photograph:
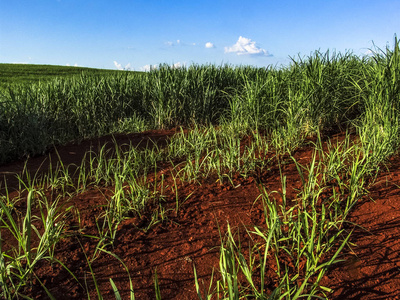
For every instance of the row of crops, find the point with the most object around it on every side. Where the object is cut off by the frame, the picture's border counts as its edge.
(324, 91)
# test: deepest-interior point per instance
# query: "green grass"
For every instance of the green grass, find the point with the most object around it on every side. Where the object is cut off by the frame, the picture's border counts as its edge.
(324, 91)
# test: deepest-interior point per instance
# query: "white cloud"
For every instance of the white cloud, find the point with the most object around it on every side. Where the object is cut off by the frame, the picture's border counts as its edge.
(179, 65)
(178, 43)
(118, 66)
(147, 68)
(210, 45)
(245, 46)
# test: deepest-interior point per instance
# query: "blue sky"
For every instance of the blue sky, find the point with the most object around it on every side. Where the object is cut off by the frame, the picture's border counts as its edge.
(138, 33)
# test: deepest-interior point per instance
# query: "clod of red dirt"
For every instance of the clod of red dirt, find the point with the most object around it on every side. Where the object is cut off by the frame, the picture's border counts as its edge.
(191, 237)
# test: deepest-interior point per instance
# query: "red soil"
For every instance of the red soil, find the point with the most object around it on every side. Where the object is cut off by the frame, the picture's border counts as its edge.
(191, 237)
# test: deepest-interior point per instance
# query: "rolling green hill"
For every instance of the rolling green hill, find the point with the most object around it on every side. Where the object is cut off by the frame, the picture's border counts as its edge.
(11, 74)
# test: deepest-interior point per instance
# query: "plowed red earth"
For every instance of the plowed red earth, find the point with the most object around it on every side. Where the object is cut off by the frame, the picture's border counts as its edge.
(191, 236)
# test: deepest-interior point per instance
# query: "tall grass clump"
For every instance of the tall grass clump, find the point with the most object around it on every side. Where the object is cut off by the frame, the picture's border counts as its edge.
(182, 96)
(323, 91)
(379, 92)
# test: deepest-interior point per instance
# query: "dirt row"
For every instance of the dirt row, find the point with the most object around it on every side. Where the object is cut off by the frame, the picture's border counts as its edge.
(180, 241)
